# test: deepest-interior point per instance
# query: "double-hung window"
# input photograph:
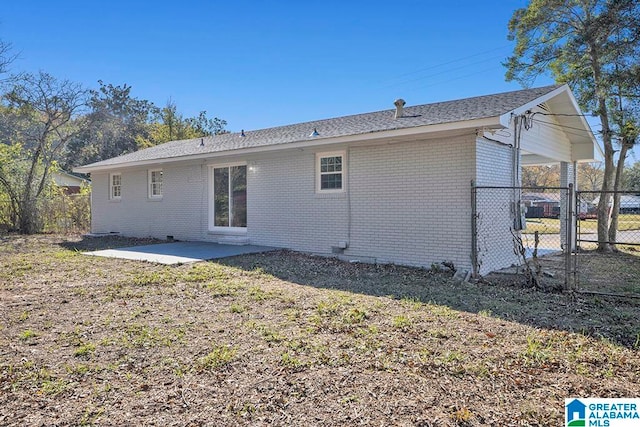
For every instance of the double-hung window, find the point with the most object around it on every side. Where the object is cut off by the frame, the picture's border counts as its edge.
(155, 183)
(115, 186)
(330, 172)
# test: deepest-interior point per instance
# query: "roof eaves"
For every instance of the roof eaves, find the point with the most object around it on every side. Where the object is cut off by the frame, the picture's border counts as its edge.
(487, 122)
(505, 119)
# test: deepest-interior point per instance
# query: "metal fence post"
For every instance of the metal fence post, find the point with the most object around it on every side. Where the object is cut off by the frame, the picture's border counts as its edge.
(474, 231)
(576, 236)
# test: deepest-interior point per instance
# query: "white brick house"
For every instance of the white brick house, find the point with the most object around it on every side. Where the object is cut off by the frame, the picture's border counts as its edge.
(390, 186)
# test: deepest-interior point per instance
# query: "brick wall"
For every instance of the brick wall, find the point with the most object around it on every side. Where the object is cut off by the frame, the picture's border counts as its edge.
(179, 213)
(494, 206)
(408, 203)
(284, 209)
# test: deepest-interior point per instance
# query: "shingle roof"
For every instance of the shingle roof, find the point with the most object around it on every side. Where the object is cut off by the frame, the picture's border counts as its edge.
(420, 115)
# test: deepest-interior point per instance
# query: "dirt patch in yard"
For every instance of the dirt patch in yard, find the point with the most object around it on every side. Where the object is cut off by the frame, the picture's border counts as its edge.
(290, 339)
(505, 296)
(614, 273)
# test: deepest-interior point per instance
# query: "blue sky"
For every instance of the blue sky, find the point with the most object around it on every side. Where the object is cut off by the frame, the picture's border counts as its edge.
(261, 64)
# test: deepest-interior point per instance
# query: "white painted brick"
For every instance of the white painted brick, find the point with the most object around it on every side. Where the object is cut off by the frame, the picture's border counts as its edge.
(410, 203)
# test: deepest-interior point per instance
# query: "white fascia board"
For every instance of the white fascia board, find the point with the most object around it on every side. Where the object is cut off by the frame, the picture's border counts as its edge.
(73, 177)
(505, 119)
(490, 122)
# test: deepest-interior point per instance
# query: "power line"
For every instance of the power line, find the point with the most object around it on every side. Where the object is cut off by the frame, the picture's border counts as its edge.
(453, 61)
(447, 71)
(393, 80)
(475, 73)
(560, 126)
(564, 129)
(565, 115)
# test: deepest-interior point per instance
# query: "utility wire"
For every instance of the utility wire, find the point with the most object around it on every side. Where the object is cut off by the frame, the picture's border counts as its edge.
(559, 125)
(475, 73)
(563, 128)
(453, 61)
(392, 81)
(447, 71)
(565, 115)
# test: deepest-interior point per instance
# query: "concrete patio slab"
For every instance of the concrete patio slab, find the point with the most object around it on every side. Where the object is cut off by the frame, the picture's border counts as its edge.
(179, 252)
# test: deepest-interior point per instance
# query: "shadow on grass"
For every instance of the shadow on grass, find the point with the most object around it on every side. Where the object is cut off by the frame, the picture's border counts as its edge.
(613, 319)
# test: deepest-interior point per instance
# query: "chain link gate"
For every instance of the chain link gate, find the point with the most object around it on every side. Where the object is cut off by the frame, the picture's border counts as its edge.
(608, 272)
(525, 232)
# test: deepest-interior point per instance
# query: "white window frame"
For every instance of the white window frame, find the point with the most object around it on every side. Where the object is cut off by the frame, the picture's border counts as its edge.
(212, 215)
(319, 173)
(150, 182)
(112, 187)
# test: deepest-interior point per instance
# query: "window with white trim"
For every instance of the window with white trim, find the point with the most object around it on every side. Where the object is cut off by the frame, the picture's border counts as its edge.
(155, 183)
(115, 186)
(228, 198)
(330, 172)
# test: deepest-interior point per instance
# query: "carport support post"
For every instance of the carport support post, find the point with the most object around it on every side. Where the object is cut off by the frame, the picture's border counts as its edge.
(567, 216)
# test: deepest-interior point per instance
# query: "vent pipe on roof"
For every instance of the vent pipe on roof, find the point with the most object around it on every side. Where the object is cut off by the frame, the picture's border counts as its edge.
(399, 103)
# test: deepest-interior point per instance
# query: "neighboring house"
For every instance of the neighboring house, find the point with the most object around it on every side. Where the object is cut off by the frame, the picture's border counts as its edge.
(389, 186)
(629, 203)
(70, 184)
(541, 205)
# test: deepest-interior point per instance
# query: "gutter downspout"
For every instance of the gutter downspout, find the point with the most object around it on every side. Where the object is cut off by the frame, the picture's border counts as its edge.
(348, 196)
(515, 178)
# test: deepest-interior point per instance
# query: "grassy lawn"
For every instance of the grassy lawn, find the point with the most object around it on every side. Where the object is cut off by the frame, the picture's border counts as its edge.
(617, 273)
(290, 339)
(552, 226)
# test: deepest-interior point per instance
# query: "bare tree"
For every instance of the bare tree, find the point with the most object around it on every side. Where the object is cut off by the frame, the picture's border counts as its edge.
(541, 176)
(6, 58)
(38, 116)
(590, 176)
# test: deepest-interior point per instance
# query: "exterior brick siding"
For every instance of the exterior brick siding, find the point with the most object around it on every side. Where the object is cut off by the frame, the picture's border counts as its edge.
(494, 206)
(410, 202)
(406, 203)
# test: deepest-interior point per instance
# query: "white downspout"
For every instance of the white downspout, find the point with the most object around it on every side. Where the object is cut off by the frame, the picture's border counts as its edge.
(515, 178)
(348, 196)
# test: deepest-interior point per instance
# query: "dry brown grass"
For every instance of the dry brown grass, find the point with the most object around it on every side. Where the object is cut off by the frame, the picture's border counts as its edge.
(290, 339)
(615, 273)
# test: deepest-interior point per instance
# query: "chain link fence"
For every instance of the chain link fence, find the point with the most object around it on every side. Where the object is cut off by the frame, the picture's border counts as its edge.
(615, 271)
(61, 214)
(520, 234)
(548, 238)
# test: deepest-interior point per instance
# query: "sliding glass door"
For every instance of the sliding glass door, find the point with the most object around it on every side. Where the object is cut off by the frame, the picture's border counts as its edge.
(229, 197)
